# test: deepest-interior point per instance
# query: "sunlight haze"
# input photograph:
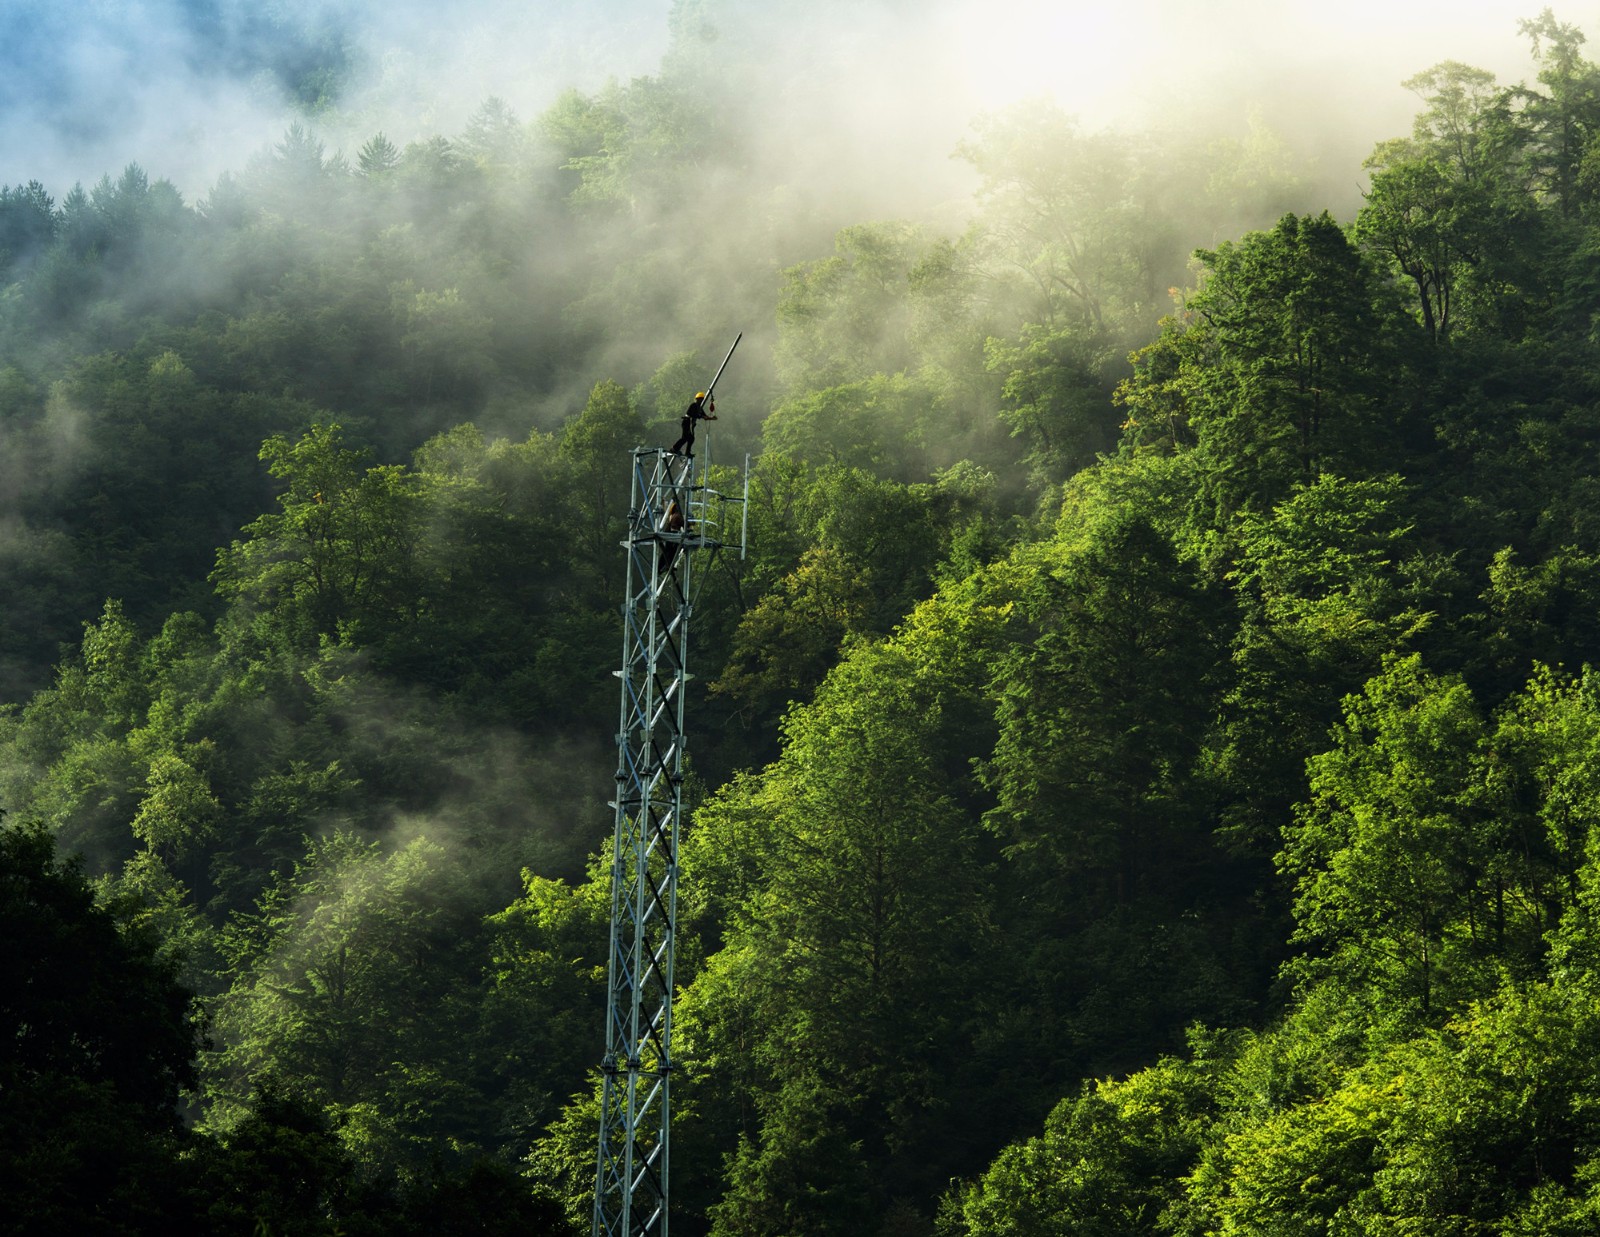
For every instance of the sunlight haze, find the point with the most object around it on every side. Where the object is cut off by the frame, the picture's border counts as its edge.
(190, 90)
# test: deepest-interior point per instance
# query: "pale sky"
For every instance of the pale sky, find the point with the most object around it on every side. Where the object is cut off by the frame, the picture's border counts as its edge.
(1087, 53)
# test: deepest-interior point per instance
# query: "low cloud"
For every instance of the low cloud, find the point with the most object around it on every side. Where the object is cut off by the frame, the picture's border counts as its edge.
(190, 88)
(881, 92)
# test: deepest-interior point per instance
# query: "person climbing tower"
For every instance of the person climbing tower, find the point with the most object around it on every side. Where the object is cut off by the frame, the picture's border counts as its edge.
(671, 522)
(699, 409)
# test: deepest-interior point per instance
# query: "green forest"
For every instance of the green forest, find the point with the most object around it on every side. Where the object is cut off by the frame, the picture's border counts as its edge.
(1145, 771)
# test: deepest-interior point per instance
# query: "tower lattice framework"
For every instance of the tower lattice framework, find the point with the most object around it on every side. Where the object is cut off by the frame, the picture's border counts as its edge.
(672, 516)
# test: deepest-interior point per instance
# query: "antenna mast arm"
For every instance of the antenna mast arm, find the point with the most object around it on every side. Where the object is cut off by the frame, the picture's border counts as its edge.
(711, 389)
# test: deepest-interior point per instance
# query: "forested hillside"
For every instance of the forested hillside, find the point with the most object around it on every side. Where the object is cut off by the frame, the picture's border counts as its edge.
(1145, 772)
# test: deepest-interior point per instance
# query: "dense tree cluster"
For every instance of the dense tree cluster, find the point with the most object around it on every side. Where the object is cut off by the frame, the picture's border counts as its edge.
(1144, 770)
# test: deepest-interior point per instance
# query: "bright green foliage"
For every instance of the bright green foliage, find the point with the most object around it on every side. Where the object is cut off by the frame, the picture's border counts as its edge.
(1540, 611)
(1416, 217)
(77, 731)
(1485, 1126)
(544, 1010)
(1023, 713)
(563, 1161)
(865, 910)
(1494, 1112)
(839, 553)
(178, 811)
(154, 902)
(1432, 208)
(1439, 848)
(1322, 582)
(597, 447)
(788, 641)
(350, 990)
(338, 554)
(884, 425)
(1463, 106)
(1326, 559)
(1058, 389)
(1110, 1162)
(1543, 780)
(1458, 866)
(1272, 366)
(1390, 858)
(1117, 892)
(1305, 1171)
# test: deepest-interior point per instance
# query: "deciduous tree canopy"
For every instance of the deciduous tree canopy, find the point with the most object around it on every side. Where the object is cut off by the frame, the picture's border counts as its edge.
(1143, 770)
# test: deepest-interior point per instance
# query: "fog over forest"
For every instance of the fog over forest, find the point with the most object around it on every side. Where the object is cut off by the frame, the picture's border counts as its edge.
(191, 88)
(825, 113)
(1141, 768)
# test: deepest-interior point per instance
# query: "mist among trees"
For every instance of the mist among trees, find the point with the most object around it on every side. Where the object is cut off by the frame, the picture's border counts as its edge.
(1142, 773)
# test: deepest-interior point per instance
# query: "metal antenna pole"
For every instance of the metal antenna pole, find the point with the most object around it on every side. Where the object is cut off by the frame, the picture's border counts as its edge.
(744, 512)
(712, 388)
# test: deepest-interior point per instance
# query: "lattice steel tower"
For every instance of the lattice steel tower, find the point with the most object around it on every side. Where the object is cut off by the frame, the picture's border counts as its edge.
(672, 516)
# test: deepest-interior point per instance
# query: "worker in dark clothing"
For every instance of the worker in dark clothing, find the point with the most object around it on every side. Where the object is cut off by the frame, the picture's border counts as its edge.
(671, 522)
(699, 409)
